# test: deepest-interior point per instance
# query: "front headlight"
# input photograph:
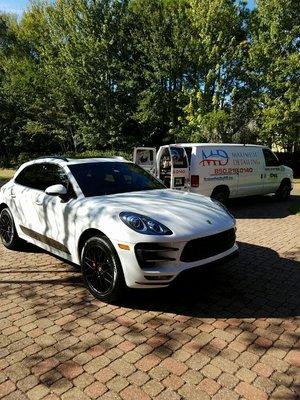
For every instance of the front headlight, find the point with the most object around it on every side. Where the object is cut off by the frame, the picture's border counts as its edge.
(224, 207)
(145, 225)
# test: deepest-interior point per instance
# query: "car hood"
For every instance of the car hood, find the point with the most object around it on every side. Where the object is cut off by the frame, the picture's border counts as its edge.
(182, 212)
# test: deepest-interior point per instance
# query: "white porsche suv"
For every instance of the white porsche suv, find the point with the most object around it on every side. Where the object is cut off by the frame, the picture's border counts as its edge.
(115, 220)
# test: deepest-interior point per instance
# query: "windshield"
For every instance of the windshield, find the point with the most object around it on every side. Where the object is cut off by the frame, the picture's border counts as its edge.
(102, 178)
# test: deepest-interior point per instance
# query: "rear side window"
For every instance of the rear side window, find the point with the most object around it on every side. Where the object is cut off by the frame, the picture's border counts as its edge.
(30, 176)
(41, 176)
(270, 158)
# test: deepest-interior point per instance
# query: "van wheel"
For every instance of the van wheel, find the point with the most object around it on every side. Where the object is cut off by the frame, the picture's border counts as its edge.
(8, 232)
(284, 191)
(221, 194)
(102, 270)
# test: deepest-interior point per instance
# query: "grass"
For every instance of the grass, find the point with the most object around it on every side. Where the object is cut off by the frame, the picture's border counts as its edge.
(295, 209)
(6, 174)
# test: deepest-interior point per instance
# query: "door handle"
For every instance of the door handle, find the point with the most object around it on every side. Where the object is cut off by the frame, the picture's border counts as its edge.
(12, 195)
(39, 200)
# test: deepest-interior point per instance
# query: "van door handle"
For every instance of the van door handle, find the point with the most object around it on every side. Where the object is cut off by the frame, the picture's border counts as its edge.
(12, 195)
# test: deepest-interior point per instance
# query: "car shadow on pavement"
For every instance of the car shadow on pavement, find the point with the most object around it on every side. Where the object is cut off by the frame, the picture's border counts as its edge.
(258, 284)
(261, 207)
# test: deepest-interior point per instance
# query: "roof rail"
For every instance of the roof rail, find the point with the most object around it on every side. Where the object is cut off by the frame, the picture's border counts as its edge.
(54, 156)
(118, 157)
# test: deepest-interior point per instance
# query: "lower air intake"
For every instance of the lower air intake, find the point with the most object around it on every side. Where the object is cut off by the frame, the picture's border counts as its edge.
(208, 246)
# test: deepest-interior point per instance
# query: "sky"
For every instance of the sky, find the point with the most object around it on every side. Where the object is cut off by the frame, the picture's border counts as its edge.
(18, 6)
(13, 6)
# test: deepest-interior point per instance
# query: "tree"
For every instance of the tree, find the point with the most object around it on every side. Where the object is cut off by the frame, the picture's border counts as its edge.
(108, 74)
(214, 68)
(274, 66)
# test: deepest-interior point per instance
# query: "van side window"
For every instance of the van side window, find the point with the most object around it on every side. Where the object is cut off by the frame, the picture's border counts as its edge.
(270, 158)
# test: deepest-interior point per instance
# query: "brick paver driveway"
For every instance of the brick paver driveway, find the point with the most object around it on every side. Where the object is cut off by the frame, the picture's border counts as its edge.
(228, 332)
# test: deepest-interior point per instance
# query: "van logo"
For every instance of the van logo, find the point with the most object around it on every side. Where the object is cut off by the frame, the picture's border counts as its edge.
(214, 157)
(209, 222)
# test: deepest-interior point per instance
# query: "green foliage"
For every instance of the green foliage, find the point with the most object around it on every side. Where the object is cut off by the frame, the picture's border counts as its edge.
(274, 68)
(295, 209)
(105, 75)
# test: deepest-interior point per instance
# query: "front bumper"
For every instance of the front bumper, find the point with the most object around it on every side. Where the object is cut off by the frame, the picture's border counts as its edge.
(161, 274)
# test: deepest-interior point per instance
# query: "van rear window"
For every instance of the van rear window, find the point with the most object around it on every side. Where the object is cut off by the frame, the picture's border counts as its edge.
(188, 151)
(178, 157)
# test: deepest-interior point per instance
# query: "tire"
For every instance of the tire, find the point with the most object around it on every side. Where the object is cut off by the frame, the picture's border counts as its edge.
(8, 232)
(221, 194)
(101, 269)
(284, 191)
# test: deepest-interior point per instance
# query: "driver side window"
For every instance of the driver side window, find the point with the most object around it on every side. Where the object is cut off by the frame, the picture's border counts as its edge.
(54, 175)
(270, 158)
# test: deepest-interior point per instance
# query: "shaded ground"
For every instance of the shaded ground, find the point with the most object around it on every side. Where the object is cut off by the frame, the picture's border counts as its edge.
(226, 332)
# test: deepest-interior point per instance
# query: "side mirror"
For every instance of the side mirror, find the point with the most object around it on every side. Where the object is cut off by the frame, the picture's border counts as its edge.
(56, 190)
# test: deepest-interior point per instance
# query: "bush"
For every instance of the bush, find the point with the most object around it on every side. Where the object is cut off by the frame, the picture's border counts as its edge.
(291, 160)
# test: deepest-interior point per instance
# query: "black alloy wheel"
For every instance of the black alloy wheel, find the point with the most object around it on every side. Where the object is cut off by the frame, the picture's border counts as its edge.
(101, 269)
(8, 233)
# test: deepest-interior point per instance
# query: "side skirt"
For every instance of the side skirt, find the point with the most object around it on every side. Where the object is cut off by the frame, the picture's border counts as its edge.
(45, 239)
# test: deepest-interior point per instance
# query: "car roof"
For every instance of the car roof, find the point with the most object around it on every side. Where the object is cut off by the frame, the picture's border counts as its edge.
(71, 161)
(62, 161)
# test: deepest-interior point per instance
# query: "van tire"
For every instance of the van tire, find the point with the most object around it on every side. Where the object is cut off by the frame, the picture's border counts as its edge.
(220, 193)
(284, 190)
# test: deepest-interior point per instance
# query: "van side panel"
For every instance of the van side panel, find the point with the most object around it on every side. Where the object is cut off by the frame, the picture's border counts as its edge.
(215, 167)
(240, 168)
(250, 164)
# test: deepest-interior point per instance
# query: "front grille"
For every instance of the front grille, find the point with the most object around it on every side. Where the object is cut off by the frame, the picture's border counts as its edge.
(151, 254)
(209, 246)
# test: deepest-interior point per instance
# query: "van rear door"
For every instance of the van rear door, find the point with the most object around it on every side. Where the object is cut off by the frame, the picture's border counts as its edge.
(145, 157)
(173, 167)
(179, 168)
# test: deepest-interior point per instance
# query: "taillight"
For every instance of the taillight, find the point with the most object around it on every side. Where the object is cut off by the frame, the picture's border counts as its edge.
(195, 180)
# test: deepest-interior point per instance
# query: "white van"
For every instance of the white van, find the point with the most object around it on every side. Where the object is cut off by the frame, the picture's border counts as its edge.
(217, 170)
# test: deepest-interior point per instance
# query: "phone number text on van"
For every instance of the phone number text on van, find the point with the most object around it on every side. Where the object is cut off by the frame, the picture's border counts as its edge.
(232, 171)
